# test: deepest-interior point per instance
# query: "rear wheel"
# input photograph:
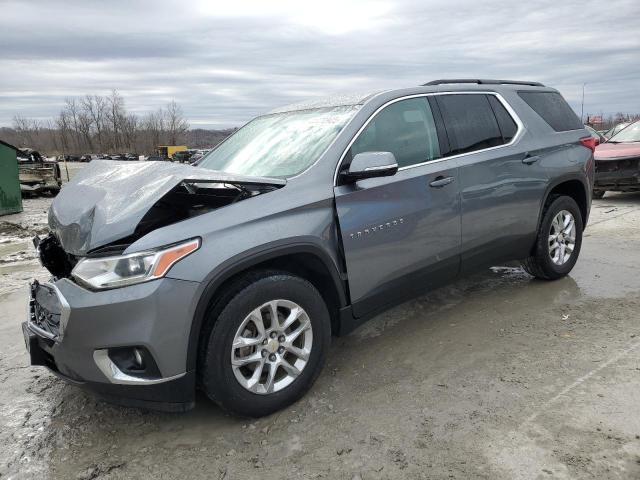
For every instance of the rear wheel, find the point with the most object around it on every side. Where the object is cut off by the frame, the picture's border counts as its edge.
(559, 240)
(598, 194)
(267, 346)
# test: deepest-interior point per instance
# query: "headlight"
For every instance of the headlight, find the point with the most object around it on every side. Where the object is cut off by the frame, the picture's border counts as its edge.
(112, 272)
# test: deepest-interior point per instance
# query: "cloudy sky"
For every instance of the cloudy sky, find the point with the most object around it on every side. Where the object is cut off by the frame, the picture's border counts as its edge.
(226, 61)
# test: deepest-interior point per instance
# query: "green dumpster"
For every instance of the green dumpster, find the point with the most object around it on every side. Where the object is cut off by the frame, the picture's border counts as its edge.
(10, 196)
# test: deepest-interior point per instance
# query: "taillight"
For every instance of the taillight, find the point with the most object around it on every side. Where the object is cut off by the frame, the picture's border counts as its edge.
(589, 142)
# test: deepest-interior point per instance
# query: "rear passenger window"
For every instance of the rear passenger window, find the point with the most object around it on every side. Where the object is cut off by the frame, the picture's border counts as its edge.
(406, 129)
(507, 125)
(470, 122)
(553, 109)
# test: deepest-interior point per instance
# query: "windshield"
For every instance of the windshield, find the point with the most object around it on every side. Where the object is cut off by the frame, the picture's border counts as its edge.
(279, 145)
(629, 134)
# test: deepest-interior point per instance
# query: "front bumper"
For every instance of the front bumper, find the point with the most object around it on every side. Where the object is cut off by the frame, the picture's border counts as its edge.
(73, 332)
(618, 174)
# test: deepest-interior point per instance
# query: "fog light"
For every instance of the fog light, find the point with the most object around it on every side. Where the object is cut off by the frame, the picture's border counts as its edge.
(136, 361)
(137, 355)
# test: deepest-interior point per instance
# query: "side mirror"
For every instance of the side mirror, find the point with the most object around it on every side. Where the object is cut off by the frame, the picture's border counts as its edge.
(370, 165)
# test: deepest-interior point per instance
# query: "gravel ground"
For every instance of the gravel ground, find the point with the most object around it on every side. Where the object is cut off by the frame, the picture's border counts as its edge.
(498, 376)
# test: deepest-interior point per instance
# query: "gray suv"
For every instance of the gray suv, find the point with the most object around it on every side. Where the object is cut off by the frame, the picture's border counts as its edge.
(231, 276)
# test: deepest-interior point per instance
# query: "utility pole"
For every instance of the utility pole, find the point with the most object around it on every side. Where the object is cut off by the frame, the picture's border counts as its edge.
(582, 106)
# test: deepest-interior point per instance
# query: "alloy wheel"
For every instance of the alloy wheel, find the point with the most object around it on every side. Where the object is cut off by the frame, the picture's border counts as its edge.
(562, 237)
(272, 346)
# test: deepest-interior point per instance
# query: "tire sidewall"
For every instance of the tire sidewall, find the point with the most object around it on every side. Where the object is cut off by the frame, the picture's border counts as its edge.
(218, 378)
(559, 204)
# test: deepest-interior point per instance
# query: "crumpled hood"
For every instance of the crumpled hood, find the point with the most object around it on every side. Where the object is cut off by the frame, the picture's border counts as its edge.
(617, 150)
(106, 200)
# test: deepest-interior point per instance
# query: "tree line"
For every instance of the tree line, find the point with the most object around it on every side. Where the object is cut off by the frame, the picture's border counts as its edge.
(102, 124)
(609, 121)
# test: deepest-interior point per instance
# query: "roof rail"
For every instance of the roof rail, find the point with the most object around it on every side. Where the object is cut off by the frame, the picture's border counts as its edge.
(483, 82)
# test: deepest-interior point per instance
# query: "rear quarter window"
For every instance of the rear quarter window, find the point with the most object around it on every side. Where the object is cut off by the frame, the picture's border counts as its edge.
(506, 123)
(470, 122)
(553, 109)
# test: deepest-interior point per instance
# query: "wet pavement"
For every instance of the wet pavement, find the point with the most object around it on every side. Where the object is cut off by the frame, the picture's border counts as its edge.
(497, 376)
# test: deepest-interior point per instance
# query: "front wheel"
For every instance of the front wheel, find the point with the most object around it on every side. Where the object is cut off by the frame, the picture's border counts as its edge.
(597, 194)
(559, 240)
(268, 344)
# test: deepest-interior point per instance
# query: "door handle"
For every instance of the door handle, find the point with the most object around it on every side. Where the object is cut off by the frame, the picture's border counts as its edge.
(441, 181)
(529, 159)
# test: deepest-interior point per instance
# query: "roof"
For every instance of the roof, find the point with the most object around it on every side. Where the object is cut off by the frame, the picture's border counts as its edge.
(485, 81)
(327, 102)
(433, 86)
(9, 145)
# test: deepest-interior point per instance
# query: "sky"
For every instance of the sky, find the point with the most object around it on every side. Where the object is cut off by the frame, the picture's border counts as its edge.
(227, 61)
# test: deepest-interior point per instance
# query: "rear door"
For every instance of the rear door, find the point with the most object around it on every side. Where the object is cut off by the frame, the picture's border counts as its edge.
(401, 234)
(500, 185)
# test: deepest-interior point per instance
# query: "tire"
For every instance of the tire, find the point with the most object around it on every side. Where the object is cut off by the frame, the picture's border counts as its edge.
(597, 194)
(541, 264)
(220, 380)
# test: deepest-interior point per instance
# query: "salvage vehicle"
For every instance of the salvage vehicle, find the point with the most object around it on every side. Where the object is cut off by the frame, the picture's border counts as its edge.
(232, 276)
(183, 156)
(618, 163)
(37, 174)
(615, 129)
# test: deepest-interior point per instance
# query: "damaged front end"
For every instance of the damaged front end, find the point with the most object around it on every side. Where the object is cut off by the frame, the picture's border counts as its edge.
(618, 174)
(110, 205)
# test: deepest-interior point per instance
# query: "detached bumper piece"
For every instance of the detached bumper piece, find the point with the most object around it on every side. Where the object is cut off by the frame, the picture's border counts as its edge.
(618, 174)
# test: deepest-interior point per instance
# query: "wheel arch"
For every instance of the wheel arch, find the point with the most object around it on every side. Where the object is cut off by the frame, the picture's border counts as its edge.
(571, 186)
(306, 260)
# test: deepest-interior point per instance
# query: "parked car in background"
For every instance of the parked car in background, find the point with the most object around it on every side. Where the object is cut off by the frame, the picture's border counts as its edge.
(618, 162)
(615, 129)
(232, 276)
(37, 174)
(195, 158)
(599, 137)
(69, 158)
(184, 156)
(156, 158)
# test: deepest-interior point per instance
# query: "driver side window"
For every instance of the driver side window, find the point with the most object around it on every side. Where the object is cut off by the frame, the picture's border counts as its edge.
(406, 129)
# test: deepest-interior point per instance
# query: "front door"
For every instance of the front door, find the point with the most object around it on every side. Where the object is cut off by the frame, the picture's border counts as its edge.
(401, 234)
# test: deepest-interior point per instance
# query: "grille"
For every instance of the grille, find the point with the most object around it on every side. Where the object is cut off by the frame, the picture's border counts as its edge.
(617, 165)
(45, 309)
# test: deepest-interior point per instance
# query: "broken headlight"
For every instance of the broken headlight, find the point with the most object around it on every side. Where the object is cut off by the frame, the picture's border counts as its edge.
(121, 270)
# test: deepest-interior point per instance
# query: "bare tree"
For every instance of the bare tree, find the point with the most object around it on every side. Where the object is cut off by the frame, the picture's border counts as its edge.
(153, 130)
(26, 130)
(175, 123)
(129, 131)
(101, 124)
(95, 107)
(64, 129)
(115, 116)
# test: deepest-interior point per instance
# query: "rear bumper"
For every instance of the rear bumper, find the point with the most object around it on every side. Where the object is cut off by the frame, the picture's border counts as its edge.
(75, 332)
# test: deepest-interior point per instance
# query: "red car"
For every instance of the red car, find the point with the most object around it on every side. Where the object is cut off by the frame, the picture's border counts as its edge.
(618, 163)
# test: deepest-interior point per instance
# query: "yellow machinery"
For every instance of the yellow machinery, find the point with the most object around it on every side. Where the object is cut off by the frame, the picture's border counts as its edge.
(168, 150)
